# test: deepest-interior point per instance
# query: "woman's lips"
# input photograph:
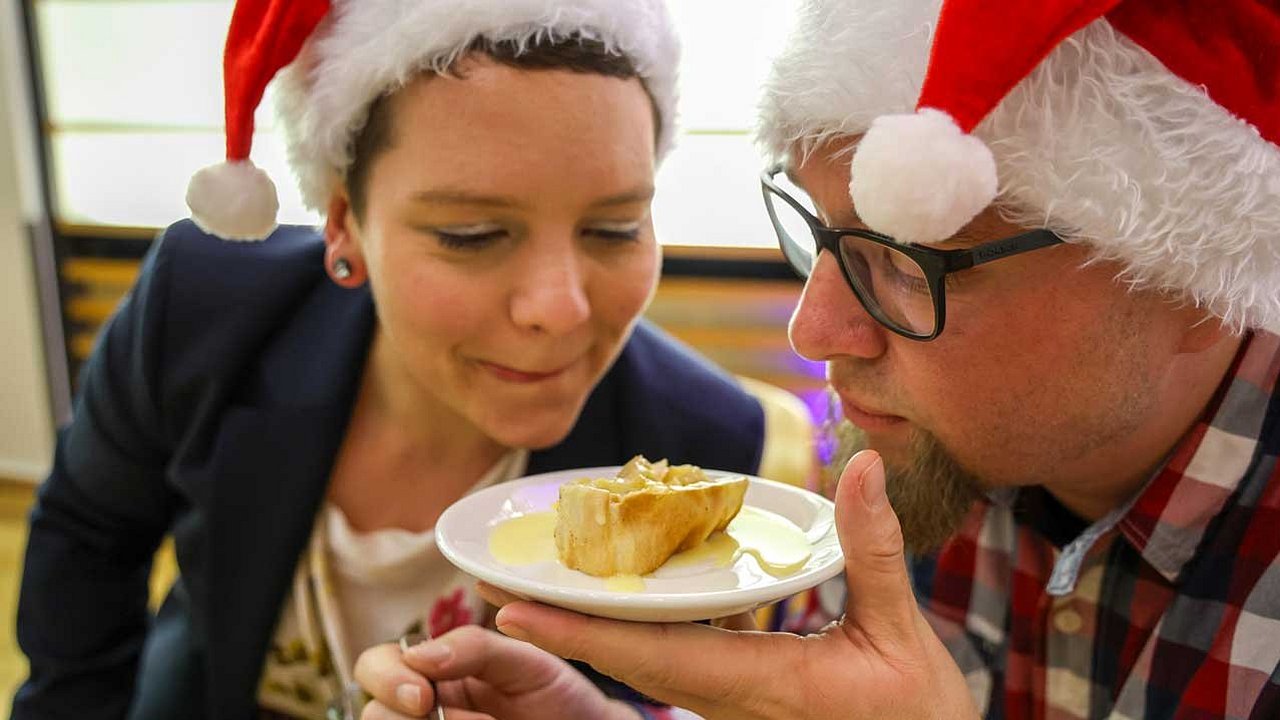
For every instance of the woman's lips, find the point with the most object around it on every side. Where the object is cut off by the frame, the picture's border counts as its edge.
(868, 420)
(523, 377)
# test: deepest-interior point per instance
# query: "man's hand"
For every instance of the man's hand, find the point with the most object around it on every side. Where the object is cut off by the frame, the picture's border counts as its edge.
(479, 674)
(882, 660)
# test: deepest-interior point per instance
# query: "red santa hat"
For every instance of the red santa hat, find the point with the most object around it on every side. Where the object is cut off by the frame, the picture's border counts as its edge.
(335, 58)
(1145, 128)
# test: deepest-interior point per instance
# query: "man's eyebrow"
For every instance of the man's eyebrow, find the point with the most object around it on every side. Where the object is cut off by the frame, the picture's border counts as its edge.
(848, 216)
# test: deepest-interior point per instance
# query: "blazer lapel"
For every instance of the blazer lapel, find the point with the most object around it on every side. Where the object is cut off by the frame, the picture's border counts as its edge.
(268, 472)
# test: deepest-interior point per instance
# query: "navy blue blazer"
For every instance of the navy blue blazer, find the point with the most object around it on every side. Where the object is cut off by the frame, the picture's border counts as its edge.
(212, 409)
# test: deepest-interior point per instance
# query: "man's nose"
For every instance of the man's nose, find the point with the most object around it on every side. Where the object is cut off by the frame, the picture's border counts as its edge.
(830, 321)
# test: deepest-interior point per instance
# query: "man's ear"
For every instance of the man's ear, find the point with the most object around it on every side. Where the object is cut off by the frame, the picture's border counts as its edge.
(1201, 329)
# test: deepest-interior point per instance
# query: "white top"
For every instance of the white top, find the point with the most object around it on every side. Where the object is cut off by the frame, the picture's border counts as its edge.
(354, 590)
(384, 581)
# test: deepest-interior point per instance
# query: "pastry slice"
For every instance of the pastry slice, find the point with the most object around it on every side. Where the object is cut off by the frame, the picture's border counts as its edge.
(631, 524)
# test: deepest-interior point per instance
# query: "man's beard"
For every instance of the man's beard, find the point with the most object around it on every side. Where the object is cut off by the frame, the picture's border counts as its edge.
(931, 495)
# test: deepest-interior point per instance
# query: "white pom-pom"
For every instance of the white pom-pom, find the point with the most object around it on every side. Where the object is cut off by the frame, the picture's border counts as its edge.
(919, 178)
(233, 200)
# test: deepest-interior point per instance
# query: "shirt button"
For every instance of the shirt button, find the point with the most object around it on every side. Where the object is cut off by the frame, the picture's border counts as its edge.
(1068, 621)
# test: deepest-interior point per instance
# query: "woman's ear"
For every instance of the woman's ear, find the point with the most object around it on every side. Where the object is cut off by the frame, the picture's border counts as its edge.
(343, 257)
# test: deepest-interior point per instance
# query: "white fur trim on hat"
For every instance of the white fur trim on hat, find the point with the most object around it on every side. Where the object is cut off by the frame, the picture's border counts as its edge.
(234, 201)
(919, 178)
(1101, 143)
(368, 47)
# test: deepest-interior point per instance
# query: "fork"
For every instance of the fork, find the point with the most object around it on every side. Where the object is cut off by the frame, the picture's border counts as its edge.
(409, 640)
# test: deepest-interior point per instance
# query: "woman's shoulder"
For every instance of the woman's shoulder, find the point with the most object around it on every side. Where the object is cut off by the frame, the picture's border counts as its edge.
(208, 286)
(673, 392)
(198, 260)
(207, 308)
(672, 368)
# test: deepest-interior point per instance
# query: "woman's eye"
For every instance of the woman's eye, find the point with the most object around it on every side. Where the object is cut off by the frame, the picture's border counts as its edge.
(468, 238)
(615, 232)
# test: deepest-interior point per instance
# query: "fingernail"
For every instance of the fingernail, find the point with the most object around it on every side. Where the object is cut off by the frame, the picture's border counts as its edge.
(437, 653)
(409, 697)
(510, 629)
(859, 463)
(873, 485)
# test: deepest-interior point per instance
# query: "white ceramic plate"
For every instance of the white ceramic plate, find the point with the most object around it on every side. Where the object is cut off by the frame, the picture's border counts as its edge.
(669, 594)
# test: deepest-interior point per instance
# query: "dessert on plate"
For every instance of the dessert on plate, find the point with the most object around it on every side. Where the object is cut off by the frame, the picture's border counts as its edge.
(632, 523)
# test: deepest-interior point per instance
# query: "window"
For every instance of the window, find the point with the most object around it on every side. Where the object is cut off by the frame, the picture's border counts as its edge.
(134, 104)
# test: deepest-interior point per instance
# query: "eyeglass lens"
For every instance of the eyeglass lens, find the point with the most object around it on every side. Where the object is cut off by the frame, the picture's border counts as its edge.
(891, 285)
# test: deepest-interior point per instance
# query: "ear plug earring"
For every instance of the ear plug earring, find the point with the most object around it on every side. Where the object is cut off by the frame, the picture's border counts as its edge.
(341, 268)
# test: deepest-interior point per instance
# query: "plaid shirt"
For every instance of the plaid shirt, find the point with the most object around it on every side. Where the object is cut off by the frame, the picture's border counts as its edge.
(1169, 607)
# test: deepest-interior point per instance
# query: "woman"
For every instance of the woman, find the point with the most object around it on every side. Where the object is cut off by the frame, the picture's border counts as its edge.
(298, 413)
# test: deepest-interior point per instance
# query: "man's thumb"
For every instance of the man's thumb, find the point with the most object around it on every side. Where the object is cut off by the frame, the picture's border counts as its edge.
(880, 602)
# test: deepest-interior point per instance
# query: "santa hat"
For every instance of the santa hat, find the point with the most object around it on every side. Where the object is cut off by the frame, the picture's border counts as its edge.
(1145, 128)
(335, 61)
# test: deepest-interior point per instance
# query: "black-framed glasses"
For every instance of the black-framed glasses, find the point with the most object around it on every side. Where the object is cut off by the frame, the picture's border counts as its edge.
(901, 286)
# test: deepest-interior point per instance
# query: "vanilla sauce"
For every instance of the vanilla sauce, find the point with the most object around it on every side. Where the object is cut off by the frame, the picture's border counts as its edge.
(778, 547)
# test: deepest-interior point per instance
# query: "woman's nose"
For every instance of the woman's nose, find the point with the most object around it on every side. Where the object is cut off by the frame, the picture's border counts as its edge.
(830, 322)
(551, 295)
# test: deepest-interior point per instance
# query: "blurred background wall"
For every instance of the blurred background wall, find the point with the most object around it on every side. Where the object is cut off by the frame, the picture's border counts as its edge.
(26, 420)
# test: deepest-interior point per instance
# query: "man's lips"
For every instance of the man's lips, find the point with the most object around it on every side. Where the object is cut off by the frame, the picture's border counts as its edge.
(516, 375)
(868, 419)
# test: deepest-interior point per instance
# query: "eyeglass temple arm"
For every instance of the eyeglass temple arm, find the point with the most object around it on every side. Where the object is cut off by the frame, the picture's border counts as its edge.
(996, 249)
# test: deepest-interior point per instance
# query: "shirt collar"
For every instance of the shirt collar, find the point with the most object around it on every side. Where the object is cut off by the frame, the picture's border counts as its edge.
(1167, 521)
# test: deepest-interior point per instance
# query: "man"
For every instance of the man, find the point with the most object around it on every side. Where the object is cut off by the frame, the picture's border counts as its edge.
(1049, 300)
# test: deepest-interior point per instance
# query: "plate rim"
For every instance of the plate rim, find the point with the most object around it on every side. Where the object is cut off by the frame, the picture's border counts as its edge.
(625, 600)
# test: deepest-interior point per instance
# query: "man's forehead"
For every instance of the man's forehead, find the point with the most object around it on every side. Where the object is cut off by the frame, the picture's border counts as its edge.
(822, 172)
(835, 149)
